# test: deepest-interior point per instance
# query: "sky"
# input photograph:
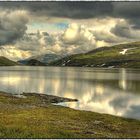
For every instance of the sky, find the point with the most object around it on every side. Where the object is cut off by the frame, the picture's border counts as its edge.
(35, 28)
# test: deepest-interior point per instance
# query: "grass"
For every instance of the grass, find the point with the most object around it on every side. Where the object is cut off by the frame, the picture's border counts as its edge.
(25, 118)
(6, 62)
(110, 56)
(101, 57)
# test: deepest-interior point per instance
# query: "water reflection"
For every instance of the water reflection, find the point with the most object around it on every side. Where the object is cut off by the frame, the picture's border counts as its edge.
(123, 78)
(101, 90)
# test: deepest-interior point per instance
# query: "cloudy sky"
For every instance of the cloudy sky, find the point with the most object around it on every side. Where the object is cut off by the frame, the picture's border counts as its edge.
(35, 28)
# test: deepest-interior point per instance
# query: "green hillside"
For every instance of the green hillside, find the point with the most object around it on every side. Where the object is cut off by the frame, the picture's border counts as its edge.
(6, 62)
(115, 56)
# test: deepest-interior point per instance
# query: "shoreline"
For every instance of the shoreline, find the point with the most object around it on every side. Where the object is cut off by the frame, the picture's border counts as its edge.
(34, 116)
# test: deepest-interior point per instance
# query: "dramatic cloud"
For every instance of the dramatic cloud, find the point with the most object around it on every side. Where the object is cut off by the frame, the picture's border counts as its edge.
(35, 28)
(78, 38)
(77, 34)
(13, 53)
(80, 9)
(123, 29)
(126, 9)
(75, 39)
(76, 10)
(106, 36)
(12, 25)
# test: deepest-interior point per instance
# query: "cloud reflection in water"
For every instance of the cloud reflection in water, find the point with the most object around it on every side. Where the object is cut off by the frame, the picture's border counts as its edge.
(104, 91)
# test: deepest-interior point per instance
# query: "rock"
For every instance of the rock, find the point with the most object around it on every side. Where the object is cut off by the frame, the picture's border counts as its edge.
(50, 98)
(98, 122)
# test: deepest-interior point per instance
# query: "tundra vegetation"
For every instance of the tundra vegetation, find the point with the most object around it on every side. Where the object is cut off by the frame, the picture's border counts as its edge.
(122, 55)
(34, 116)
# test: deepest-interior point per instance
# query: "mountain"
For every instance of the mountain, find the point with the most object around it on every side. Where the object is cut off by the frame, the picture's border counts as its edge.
(45, 58)
(32, 62)
(123, 55)
(6, 62)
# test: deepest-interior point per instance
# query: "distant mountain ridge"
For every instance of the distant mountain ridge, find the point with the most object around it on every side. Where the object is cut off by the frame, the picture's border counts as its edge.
(34, 62)
(44, 59)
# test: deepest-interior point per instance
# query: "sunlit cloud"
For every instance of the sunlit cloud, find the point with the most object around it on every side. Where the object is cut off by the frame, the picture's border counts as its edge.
(65, 28)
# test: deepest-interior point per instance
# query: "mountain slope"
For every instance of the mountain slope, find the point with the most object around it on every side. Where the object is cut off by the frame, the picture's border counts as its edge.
(123, 55)
(41, 60)
(6, 62)
(32, 62)
(46, 58)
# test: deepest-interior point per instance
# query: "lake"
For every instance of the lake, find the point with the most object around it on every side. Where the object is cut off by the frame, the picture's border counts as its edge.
(110, 91)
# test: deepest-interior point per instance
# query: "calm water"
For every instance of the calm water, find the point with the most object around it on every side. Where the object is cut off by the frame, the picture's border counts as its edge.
(111, 91)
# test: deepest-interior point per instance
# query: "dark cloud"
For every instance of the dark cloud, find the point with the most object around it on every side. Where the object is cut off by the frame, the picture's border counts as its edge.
(135, 22)
(75, 10)
(105, 36)
(123, 29)
(12, 26)
(35, 42)
(129, 11)
(45, 34)
(80, 9)
(76, 38)
(126, 9)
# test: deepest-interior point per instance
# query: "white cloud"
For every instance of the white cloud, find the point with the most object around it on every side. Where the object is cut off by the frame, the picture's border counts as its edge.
(79, 37)
(77, 34)
(14, 53)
